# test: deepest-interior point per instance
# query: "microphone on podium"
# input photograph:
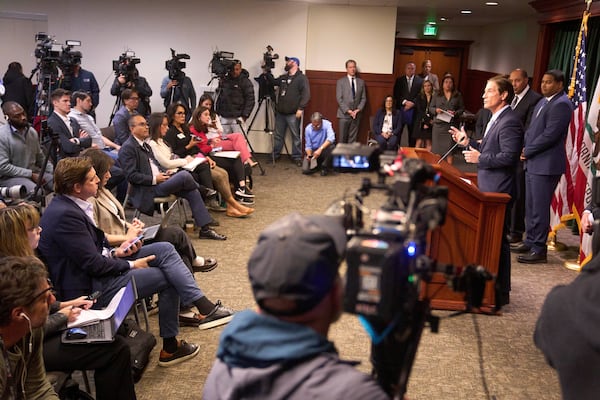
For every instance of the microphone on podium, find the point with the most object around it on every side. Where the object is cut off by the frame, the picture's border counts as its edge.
(451, 148)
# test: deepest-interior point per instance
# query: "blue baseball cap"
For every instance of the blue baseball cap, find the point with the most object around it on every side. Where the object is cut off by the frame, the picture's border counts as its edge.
(294, 59)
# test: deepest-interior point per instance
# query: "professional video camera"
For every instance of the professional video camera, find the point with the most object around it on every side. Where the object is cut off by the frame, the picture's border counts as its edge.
(269, 58)
(175, 66)
(222, 63)
(125, 65)
(386, 261)
(67, 62)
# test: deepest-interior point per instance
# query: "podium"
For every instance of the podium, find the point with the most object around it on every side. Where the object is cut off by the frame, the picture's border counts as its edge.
(472, 232)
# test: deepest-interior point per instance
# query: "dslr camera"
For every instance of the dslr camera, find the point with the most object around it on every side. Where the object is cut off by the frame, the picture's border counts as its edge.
(175, 66)
(222, 63)
(125, 65)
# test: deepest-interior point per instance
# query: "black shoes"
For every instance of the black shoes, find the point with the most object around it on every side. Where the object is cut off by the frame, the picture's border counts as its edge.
(210, 234)
(520, 249)
(184, 351)
(204, 264)
(513, 239)
(533, 258)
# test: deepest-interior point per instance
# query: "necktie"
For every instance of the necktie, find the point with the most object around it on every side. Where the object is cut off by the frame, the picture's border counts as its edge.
(488, 127)
(513, 105)
(151, 157)
(409, 83)
(353, 89)
(544, 102)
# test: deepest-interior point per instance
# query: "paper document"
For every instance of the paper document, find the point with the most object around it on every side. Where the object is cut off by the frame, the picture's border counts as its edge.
(88, 317)
(444, 116)
(194, 163)
(227, 154)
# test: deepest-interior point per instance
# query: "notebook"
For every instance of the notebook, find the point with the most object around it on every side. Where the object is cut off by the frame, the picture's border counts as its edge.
(105, 329)
(150, 232)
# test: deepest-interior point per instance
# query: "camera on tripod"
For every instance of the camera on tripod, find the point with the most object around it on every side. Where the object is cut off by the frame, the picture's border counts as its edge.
(222, 63)
(387, 260)
(68, 60)
(175, 66)
(125, 65)
(269, 58)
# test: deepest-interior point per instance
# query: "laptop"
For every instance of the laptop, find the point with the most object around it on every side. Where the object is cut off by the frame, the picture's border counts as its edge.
(105, 329)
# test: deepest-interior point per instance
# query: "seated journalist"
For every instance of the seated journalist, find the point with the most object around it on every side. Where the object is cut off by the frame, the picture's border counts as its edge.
(81, 261)
(281, 350)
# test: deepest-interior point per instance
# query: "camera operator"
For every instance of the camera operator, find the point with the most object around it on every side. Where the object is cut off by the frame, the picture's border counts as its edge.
(294, 95)
(85, 81)
(21, 156)
(133, 81)
(173, 92)
(236, 99)
(281, 351)
(18, 88)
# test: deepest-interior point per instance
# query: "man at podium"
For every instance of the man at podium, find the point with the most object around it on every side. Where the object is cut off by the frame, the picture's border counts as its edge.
(496, 156)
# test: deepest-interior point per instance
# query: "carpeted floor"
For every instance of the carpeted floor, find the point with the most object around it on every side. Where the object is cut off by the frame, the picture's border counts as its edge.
(472, 357)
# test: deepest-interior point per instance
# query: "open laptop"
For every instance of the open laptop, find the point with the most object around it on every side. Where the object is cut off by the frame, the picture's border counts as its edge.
(106, 329)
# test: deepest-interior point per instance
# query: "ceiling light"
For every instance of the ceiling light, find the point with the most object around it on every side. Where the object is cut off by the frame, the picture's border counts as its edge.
(466, 11)
(491, 3)
(443, 19)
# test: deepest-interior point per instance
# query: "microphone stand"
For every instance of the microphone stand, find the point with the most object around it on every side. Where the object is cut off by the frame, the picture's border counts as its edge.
(446, 154)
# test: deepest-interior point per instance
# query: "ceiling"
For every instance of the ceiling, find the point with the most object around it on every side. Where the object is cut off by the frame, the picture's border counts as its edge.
(420, 11)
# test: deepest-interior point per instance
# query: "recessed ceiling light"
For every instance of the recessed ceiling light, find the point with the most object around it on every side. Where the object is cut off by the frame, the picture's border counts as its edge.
(443, 19)
(491, 3)
(466, 11)
(431, 23)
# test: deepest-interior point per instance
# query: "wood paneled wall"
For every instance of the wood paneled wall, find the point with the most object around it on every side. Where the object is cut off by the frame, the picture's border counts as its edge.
(474, 90)
(322, 97)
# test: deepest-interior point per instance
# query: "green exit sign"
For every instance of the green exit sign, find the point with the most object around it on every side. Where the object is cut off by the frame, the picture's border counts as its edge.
(429, 30)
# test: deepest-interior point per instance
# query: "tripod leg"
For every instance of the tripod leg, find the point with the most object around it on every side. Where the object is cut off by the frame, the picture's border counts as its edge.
(115, 109)
(240, 124)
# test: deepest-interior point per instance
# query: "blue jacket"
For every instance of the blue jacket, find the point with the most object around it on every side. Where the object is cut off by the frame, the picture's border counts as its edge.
(262, 357)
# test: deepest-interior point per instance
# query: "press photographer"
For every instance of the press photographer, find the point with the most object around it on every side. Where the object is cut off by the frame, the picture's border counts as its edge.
(127, 76)
(236, 98)
(177, 87)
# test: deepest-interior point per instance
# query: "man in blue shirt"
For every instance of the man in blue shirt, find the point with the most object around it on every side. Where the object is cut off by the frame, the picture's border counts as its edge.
(85, 81)
(319, 139)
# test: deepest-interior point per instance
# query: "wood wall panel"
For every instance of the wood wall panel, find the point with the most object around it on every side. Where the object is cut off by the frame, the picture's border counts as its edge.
(474, 90)
(322, 97)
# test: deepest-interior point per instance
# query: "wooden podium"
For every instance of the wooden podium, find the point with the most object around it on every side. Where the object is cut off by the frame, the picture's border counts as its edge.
(471, 234)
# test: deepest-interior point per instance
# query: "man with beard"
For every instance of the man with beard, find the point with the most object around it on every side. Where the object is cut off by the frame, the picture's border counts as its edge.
(21, 156)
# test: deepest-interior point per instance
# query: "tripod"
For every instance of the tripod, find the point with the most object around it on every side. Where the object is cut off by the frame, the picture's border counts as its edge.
(269, 110)
(115, 109)
(52, 151)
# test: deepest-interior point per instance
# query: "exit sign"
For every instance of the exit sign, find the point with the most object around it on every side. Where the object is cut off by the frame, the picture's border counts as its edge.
(429, 30)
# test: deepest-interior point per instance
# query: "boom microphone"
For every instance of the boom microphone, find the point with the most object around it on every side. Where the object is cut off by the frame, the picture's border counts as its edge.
(451, 148)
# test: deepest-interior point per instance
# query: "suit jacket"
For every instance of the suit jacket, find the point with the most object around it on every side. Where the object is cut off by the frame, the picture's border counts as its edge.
(68, 148)
(343, 95)
(500, 150)
(544, 146)
(72, 249)
(380, 117)
(135, 162)
(526, 105)
(402, 93)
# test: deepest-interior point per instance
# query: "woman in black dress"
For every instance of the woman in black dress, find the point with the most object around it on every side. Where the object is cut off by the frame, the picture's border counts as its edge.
(424, 116)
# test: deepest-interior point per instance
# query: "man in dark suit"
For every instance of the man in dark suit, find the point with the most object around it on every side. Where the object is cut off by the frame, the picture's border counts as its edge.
(523, 104)
(497, 155)
(72, 138)
(149, 180)
(351, 97)
(545, 161)
(406, 90)
(81, 261)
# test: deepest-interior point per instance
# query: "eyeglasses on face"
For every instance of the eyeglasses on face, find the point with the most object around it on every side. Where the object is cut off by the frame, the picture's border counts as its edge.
(50, 289)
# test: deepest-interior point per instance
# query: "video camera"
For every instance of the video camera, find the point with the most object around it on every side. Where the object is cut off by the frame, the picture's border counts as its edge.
(125, 65)
(222, 63)
(387, 261)
(175, 66)
(51, 55)
(269, 58)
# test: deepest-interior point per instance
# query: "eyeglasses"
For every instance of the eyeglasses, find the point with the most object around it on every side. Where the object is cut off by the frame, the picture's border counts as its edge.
(50, 289)
(141, 124)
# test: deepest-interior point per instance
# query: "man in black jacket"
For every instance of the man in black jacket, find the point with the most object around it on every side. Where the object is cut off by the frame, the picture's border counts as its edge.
(236, 99)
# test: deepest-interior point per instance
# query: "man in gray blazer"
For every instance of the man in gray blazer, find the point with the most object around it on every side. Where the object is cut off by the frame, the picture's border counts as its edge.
(351, 96)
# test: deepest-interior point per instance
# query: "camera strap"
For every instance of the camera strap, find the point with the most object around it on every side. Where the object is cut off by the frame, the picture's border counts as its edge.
(377, 338)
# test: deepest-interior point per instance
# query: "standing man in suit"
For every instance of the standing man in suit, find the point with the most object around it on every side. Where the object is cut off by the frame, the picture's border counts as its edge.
(351, 96)
(73, 139)
(496, 156)
(523, 104)
(406, 90)
(544, 162)
(427, 75)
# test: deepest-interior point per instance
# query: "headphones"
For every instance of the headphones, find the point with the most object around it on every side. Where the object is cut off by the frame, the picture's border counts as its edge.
(30, 331)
